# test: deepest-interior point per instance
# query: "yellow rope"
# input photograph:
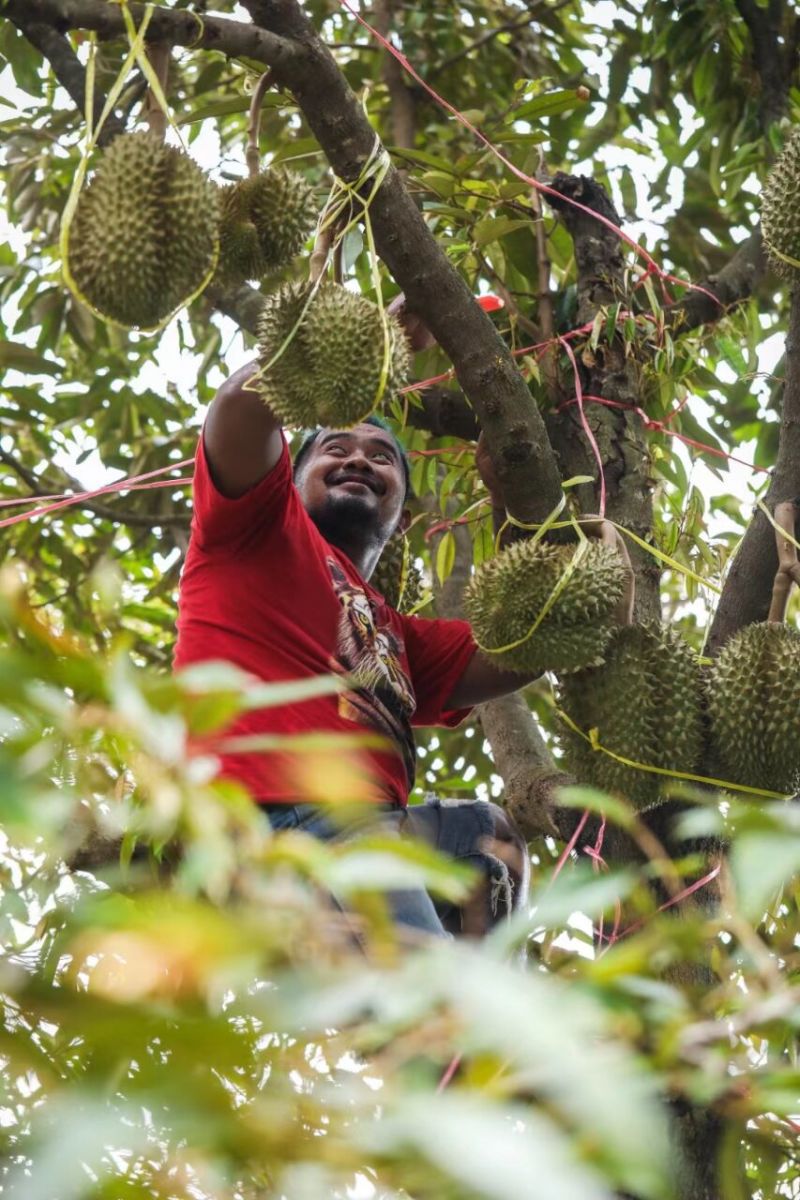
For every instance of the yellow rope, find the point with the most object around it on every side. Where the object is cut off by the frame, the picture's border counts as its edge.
(593, 738)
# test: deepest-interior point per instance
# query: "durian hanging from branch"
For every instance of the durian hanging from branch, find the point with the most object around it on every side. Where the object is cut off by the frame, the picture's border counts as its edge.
(143, 238)
(539, 606)
(267, 217)
(327, 355)
(754, 686)
(780, 213)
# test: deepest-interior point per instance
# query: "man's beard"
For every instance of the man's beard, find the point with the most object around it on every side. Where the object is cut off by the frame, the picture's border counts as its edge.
(345, 520)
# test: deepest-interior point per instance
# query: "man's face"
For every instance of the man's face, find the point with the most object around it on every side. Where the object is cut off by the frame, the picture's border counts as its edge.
(352, 481)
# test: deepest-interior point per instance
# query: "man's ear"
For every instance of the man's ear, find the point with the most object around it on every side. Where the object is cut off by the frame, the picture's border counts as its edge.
(404, 522)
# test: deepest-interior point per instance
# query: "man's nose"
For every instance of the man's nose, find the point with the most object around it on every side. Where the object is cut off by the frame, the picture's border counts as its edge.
(358, 460)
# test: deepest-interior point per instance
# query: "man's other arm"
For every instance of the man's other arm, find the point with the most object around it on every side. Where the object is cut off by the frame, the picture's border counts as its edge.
(482, 681)
(242, 437)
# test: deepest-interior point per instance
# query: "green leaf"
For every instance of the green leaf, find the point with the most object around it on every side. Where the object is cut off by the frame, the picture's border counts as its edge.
(19, 357)
(445, 555)
(761, 863)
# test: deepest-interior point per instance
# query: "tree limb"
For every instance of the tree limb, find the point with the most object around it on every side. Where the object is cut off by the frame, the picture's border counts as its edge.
(108, 512)
(515, 433)
(178, 27)
(488, 36)
(402, 106)
(748, 586)
(609, 373)
(67, 67)
(737, 280)
(765, 26)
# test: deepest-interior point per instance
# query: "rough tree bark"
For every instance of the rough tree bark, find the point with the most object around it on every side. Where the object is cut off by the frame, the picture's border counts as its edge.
(607, 372)
(746, 594)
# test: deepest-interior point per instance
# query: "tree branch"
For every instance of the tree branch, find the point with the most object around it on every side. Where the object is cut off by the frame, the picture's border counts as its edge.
(488, 36)
(609, 373)
(748, 586)
(764, 25)
(402, 106)
(515, 433)
(178, 27)
(737, 280)
(67, 67)
(108, 512)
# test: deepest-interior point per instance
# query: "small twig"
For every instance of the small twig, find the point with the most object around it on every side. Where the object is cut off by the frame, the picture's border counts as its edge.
(105, 511)
(158, 53)
(253, 154)
(788, 572)
(322, 251)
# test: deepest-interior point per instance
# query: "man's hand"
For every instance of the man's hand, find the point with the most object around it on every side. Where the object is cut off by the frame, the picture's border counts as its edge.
(417, 333)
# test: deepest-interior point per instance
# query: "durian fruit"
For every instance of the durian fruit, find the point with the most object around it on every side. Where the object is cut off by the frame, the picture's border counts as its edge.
(754, 705)
(780, 214)
(329, 370)
(265, 221)
(507, 593)
(646, 703)
(397, 577)
(145, 231)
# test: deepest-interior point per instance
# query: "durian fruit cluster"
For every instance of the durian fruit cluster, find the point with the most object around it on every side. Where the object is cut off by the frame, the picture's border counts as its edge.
(646, 704)
(145, 233)
(780, 213)
(507, 594)
(397, 577)
(754, 706)
(322, 355)
(265, 221)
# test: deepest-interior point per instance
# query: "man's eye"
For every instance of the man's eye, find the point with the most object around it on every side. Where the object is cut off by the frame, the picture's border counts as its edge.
(383, 455)
(335, 449)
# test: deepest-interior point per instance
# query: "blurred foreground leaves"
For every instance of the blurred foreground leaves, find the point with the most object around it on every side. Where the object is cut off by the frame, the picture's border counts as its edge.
(192, 1017)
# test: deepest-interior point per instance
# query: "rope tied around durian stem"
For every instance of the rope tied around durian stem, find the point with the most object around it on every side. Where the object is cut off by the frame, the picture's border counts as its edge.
(253, 152)
(788, 572)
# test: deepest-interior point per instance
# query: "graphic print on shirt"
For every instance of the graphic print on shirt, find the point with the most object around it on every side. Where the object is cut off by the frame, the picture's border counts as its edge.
(371, 654)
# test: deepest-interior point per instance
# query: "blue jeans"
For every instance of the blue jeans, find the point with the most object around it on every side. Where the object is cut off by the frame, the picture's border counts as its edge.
(411, 907)
(476, 833)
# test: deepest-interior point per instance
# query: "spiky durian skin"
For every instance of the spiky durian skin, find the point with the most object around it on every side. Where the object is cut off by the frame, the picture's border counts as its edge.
(265, 221)
(330, 372)
(397, 577)
(145, 231)
(283, 209)
(646, 703)
(507, 593)
(240, 256)
(754, 706)
(780, 214)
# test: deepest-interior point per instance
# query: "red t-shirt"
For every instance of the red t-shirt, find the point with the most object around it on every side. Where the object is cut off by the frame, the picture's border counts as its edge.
(261, 588)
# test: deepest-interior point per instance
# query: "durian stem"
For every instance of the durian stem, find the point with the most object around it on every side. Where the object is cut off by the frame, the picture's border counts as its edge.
(321, 252)
(788, 571)
(253, 153)
(159, 55)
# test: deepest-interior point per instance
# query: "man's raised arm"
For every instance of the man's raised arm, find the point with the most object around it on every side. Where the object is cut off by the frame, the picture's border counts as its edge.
(242, 438)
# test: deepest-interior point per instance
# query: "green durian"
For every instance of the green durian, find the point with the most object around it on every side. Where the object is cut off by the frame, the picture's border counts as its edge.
(145, 231)
(240, 255)
(780, 214)
(265, 221)
(507, 593)
(397, 577)
(646, 703)
(322, 355)
(754, 705)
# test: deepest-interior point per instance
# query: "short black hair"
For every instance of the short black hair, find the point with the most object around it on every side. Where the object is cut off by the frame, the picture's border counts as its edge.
(310, 436)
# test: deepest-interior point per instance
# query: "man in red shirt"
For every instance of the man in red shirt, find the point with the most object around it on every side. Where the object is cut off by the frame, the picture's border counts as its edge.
(276, 582)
